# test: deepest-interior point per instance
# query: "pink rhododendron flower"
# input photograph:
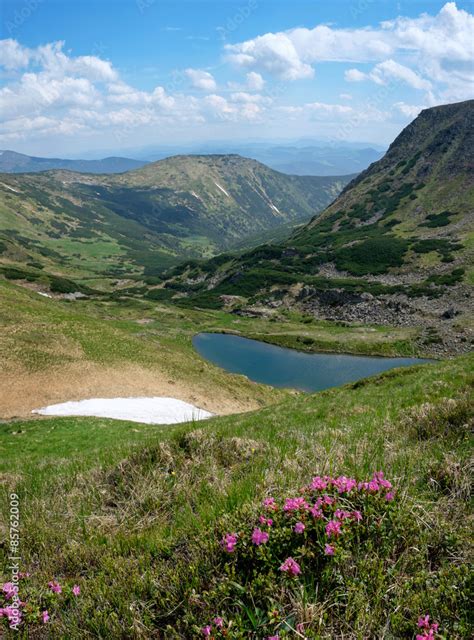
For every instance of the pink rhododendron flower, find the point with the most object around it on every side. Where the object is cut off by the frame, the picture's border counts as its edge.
(333, 528)
(9, 590)
(429, 629)
(318, 483)
(228, 542)
(206, 631)
(424, 622)
(379, 476)
(259, 537)
(329, 550)
(270, 504)
(389, 496)
(316, 512)
(55, 586)
(76, 589)
(265, 521)
(299, 527)
(295, 504)
(356, 515)
(343, 484)
(341, 514)
(327, 500)
(291, 567)
(12, 614)
(273, 638)
(219, 622)
(45, 617)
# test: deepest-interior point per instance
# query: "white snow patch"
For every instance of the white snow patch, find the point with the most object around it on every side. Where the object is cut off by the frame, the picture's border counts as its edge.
(222, 189)
(7, 186)
(147, 410)
(42, 293)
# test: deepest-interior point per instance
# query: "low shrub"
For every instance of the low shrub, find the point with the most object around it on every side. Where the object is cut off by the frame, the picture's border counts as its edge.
(448, 417)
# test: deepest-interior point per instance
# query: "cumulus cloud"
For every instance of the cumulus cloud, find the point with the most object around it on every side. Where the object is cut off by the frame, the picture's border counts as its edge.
(431, 49)
(47, 91)
(408, 110)
(389, 70)
(201, 79)
(255, 82)
(354, 75)
(13, 55)
(50, 93)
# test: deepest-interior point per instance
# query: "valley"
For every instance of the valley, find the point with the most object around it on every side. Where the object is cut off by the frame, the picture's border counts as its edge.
(327, 496)
(144, 221)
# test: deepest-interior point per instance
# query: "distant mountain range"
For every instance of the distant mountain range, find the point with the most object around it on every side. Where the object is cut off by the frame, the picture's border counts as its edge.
(302, 157)
(13, 162)
(395, 246)
(150, 218)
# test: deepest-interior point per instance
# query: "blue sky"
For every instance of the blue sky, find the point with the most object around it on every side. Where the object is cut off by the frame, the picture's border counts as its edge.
(82, 77)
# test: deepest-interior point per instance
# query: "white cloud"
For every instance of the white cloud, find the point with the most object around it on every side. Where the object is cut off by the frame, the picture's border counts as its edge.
(274, 53)
(242, 96)
(323, 107)
(408, 110)
(255, 82)
(13, 55)
(201, 79)
(354, 75)
(388, 69)
(384, 72)
(422, 52)
(46, 91)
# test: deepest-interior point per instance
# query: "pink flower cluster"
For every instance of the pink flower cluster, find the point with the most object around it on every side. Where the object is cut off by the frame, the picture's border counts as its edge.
(343, 484)
(13, 612)
(207, 630)
(55, 586)
(9, 590)
(330, 509)
(259, 537)
(430, 629)
(228, 542)
(295, 504)
(291, 567)
(270, 504)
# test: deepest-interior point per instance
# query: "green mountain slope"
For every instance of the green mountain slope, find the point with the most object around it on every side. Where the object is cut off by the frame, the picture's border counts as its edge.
(395, 246)
(148, 219)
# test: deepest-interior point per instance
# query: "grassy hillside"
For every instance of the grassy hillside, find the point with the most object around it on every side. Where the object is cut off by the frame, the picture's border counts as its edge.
(395, 246)
(143, 221)
(133, 515)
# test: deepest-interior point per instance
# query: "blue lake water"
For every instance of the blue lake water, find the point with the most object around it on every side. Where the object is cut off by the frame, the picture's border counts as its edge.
(282, 367)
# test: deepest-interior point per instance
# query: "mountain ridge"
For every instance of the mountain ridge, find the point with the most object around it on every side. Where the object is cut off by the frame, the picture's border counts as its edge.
(394, 247)
(14, 162)
(148, 219)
